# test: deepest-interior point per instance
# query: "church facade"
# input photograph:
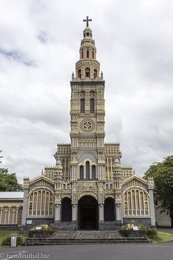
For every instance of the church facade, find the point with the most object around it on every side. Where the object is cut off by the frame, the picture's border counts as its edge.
(88, 188)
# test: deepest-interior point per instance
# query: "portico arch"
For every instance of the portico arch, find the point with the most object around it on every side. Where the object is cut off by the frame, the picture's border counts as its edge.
(66, 209)
(109, 209)
(88, 213)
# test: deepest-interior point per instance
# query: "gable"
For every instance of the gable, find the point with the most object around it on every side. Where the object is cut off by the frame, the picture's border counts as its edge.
(134, 181)
(41, 182)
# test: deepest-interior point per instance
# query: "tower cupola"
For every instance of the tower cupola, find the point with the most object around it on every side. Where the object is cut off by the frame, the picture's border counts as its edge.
(87, 67)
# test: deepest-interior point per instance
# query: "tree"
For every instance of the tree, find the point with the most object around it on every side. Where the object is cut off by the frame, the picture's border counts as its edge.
(1, 156)
(162, 173)
(8, 181)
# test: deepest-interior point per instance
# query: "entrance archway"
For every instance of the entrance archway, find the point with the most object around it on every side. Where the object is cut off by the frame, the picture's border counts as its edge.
(109, 209)
(88, 213)
(66, 210)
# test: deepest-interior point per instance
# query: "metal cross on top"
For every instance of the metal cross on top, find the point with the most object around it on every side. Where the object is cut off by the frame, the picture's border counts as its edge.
(87, 20)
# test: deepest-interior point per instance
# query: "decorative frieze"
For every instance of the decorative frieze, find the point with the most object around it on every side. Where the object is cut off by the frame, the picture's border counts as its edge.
(64, 149)
(134, 183)
(127, 172)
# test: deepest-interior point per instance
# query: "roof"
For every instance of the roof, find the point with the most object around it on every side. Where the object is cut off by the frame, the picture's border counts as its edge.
(11, 195)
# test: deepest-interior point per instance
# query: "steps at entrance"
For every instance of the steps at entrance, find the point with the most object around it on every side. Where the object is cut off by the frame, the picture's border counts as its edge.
(87, 234)
(83, 237)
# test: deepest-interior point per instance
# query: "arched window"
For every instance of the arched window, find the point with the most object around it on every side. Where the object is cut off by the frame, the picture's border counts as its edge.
(93, 172)
(40, 203)
(79, 73)
(129, 203)
(47, 204)
(34, 204)
(81, 172)
(136, 202)
(87, 53)
(82, 105)
(92, 105)
(43, 200)
(13, 215)
(5, 215)
(87, 170)
(82, 54)
(109, 209)
(66, 210)
(51, 208)
(87, 72)
(95, 73)
(93, 54)
(19, 217)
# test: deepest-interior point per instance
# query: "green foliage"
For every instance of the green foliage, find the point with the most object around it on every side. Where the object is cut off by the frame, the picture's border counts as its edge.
(41, 231)
(143, 231)
(6, 233)
(1, 156)
(8, 181)
(6, 241)
(133, 230)
(164, 237)
(21, 240)
(162, 174)
(151, 233)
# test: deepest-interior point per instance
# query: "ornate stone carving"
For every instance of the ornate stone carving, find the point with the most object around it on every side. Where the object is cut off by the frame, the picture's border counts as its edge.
(87, 193)
(87, 125)
(57, 199)
(101, 196)
(134, 183)
(150, 183)
(87, 186)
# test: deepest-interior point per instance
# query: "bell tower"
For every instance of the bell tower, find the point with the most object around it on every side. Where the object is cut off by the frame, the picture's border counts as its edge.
(87, 113)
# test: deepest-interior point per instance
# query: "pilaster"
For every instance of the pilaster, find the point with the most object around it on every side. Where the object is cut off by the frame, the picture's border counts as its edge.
(57, 213)
(118, 207)
(74, 212)
(25, 200)
(101, 212)
(151, 199)
(57, 208)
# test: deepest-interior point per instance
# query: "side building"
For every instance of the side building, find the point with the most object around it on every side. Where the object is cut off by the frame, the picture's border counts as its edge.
(88, 188)
(11, 207)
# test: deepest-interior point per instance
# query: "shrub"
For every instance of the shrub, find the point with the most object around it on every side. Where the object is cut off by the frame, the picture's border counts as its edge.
(151, 233)
(20, 241)
(128, 231)
(41, 231)
(133, 230)
(6, 241)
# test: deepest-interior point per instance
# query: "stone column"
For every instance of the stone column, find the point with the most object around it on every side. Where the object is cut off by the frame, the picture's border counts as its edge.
(152, 210)
(25, 200)
(73, 167)
(57, 208)
(57, 213)
(151, 201)
(101, 212)
(74, 212)
(118, 212)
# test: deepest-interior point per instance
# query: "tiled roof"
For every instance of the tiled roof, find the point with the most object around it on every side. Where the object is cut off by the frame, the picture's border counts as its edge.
(11, 195)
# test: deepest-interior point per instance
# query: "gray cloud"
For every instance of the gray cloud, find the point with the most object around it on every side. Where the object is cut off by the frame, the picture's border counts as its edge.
(16, 56)
(134, 46)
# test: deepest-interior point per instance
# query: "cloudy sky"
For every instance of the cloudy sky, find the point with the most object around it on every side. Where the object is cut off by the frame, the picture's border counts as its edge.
(39, 45)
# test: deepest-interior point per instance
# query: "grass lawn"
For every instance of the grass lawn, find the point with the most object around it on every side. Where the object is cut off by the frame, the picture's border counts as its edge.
(6, 233)
(164, 237)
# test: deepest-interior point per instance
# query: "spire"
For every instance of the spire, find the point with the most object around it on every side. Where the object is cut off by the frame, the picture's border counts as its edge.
(87, 33)
(87, 20)
(87, 67)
